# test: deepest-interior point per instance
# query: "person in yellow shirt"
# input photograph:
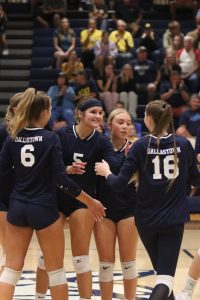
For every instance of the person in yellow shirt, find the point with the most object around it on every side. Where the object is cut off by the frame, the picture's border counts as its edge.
(124, 42)
(72, 66)
(88, 38)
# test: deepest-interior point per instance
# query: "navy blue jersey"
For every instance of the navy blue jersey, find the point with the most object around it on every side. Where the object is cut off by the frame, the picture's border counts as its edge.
(36, 156)
(197, 144)
(112, 200)
(156, 203)
(3, 135)
(92, 149)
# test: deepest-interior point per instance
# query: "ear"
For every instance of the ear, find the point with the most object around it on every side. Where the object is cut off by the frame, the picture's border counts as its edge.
(79, 114)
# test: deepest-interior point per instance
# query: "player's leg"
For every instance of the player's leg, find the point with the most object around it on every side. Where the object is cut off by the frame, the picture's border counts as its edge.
(191, 280)
(3, 216)
(105, 237)
(53, 258)
(17, 242)
(81, 223)
(42, 279)
(127, 238)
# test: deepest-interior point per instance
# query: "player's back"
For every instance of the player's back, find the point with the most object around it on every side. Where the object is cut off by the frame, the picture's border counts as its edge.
(31, 154)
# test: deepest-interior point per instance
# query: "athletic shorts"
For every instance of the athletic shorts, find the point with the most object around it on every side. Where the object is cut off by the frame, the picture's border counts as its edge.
(30, 215)
(119, 215)
(4, 202)
(66, 205)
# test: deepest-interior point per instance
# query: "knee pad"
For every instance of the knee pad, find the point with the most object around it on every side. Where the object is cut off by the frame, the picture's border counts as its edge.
(198, 251)
(10, 276)
(81, 264)
(167, 280)
(57, 277)
(106, 271)
(41, 264)
(129, 269)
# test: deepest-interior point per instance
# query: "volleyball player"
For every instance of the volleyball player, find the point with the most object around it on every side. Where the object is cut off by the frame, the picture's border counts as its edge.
(5, 191)
(82, 146)
(119, 221)
(164, 164)
(36, 157)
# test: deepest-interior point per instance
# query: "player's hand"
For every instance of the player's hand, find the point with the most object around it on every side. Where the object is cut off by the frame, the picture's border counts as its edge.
(97, 209)
(76, 168)
(102, 168)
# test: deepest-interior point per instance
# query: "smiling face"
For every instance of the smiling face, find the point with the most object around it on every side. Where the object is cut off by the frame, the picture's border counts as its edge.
(119, 125)
(91, 117)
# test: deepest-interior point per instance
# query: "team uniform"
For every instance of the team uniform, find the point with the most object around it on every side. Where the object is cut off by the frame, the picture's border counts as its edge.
(119, 205)
(90, 150)
(160, 210)
(7, 187)
(36, 156)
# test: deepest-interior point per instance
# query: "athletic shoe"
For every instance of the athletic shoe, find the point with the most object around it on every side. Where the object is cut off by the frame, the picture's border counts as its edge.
(183, 295)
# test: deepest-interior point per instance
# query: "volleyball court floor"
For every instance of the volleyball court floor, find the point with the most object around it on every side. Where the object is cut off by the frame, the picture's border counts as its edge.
(25, 289)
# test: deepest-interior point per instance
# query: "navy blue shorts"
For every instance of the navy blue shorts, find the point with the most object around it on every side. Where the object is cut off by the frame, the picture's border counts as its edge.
(30, 215)
(4, 203)
(118, 215)
(66, 205)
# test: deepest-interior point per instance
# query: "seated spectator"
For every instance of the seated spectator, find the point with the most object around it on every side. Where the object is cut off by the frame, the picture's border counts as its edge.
(62, 101)
(149, 40)
(145, 72)
(124, 42)
(64, 42)
(84, 87)
(175, 5)
(172, 30)
(130, 13)
(127, 90)
(132, 133)
(119, 104)
(190, 119)
(72, 66)
(176, 94)
(3, 37)
(50, 13)
(177, 42)
(98, 11)
(188, 59)
(88, 39)
(107, 87)
(170, 64)
(105, 52)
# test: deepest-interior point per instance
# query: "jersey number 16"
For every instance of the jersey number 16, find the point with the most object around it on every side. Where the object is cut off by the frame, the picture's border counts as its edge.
(168, 167)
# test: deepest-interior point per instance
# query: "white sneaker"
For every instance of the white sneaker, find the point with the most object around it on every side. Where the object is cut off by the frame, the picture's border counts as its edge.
(183, 295)
(5, 52)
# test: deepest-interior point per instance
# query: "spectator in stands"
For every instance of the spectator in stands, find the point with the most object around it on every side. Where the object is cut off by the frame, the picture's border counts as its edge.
(190, 119)
(188, 59)
(105, 52)
(195, 34)
(84, 87)
(124, 41)
(170, 64)
(127, 90)
(175, 5)
(177, 42)
(172, 30)
(72, 66)
(62, 101)
(131, 14)
(145, 71)
(149, 40)
(64, 42)
(50, 13)
(176, 94)
(88, 39)
(3, 37)
(98, 11)
(108, 88)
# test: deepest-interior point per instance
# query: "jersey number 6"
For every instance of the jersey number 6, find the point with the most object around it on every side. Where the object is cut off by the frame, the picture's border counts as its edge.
(27, 158)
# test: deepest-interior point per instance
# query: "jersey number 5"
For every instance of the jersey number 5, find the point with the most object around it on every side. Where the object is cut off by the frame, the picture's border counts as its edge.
(168, 167)
(27, 158)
